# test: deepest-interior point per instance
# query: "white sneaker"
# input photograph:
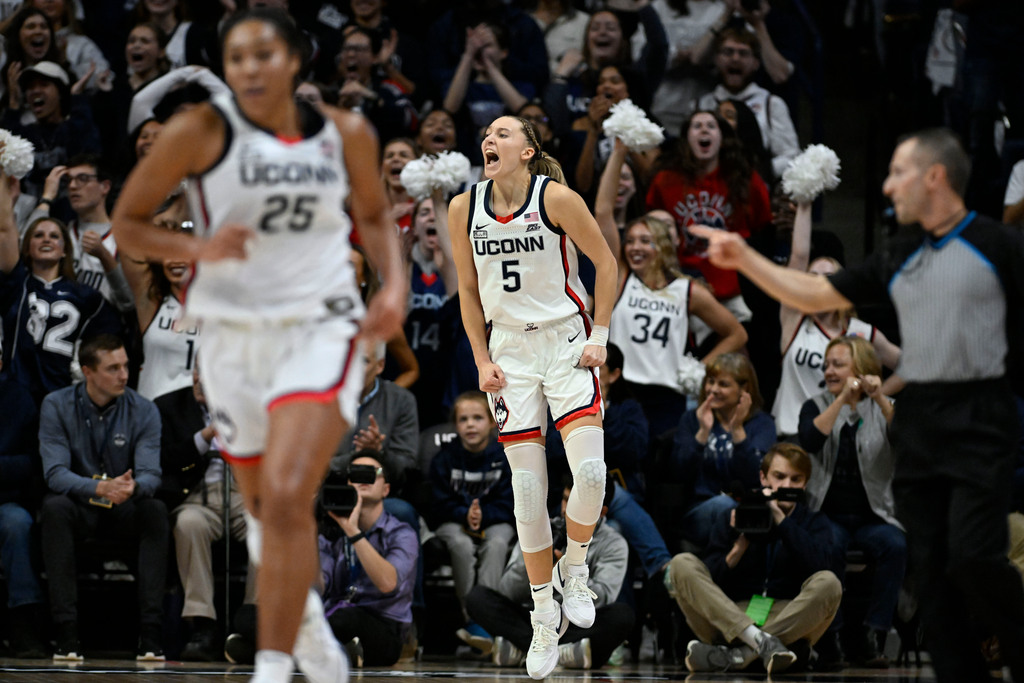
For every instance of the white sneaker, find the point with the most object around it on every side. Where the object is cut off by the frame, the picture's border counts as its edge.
(577, 599)
(542, 656)
(317, 652)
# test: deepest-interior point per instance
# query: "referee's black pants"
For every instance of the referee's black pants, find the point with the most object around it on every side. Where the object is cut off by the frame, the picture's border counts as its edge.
(956, 445)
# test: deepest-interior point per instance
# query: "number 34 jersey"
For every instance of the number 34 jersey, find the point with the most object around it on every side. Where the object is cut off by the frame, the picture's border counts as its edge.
(291, 193)
(527, 269)
(651, 328)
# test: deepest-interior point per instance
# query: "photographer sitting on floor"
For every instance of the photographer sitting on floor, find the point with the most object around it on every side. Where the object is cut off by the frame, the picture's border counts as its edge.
(766, 580)
(368, 560)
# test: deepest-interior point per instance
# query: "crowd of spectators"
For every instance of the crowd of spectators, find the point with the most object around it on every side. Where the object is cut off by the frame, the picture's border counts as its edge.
(97, 361)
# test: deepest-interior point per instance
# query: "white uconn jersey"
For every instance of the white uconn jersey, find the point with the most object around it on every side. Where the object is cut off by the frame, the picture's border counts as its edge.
(803, 369)
(527, 269)
(651, 328)
(169, 348)
(292, 195)
(88, 268)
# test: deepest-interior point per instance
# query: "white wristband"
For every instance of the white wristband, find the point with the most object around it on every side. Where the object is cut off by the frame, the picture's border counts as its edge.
(598, 336)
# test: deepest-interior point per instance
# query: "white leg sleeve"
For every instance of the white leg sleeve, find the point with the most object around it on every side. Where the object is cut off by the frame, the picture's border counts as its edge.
(530, 488)
(584, 449)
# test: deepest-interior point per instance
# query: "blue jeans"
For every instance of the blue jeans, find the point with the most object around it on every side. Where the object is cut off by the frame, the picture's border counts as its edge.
(702, 517)
(633, 522)
(16, 556)
(886, 548)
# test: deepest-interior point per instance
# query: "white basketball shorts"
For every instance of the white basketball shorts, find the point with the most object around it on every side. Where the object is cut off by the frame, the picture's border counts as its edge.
(539, 362)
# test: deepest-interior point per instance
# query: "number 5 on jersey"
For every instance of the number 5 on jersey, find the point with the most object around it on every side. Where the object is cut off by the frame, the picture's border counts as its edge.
(511, 277)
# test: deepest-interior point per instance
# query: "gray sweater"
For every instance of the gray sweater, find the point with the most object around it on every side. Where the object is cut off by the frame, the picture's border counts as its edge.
(607, 557)
(77, 441)
(394, 408)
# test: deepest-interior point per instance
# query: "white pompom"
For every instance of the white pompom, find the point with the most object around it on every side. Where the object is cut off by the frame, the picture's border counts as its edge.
(451, 169)
(813, 171)
(17, 155)
(691, 375)
(416, 177)
(630, 124)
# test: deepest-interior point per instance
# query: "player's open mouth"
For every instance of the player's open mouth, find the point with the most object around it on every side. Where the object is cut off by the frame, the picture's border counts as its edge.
(490, 158)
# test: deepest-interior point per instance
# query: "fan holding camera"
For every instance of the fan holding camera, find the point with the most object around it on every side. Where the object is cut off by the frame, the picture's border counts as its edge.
(367, 561)
(765, 588)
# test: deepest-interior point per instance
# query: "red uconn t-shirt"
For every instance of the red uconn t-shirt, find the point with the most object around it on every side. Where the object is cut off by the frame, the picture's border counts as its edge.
(706, 201)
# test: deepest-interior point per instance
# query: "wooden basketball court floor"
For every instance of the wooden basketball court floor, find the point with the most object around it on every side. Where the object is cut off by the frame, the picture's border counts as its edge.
(123, 671)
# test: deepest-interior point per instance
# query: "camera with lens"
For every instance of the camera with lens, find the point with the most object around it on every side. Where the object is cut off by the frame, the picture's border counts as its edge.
(338, 496)
(753, 516)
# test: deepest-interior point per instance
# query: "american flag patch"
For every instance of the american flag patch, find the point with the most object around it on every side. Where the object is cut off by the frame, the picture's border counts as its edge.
(532, 217)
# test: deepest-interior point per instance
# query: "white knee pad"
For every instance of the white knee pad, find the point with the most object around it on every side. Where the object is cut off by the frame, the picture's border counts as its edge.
(253, 538)
(530, 488)
(584, 449)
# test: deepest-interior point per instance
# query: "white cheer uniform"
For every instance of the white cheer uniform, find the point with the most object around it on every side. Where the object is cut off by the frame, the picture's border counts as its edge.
(803, 374)
(169, 351)
(651, 328)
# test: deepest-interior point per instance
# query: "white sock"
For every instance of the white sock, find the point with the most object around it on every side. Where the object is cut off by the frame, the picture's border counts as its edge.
(543, 597)
(751, 636)
(576, 552)
(314, 607)
(253, 538)
(273, 666)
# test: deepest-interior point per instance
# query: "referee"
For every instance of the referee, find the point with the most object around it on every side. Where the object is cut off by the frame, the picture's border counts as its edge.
(958, 291)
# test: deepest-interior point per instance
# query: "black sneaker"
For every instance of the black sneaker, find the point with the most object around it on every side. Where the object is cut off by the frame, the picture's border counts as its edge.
(68, 647)
(354, 650)
(873, 649)
(150, 649)
(239, 650)
(26, 639)
(202, 647)
(830, 653)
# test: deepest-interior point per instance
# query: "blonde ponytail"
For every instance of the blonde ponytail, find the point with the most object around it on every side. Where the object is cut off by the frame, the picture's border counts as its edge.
(542, 163)
(545, 164)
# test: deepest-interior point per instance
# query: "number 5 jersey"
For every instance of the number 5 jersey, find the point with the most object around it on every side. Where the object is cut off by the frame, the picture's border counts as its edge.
(527, 268)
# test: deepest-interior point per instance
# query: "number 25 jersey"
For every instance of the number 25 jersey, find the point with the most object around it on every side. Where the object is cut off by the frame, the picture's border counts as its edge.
(291, 193)
(527, 269)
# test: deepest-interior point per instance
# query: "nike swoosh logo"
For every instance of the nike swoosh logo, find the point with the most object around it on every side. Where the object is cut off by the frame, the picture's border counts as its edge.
(538, 590)
(573, 337)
